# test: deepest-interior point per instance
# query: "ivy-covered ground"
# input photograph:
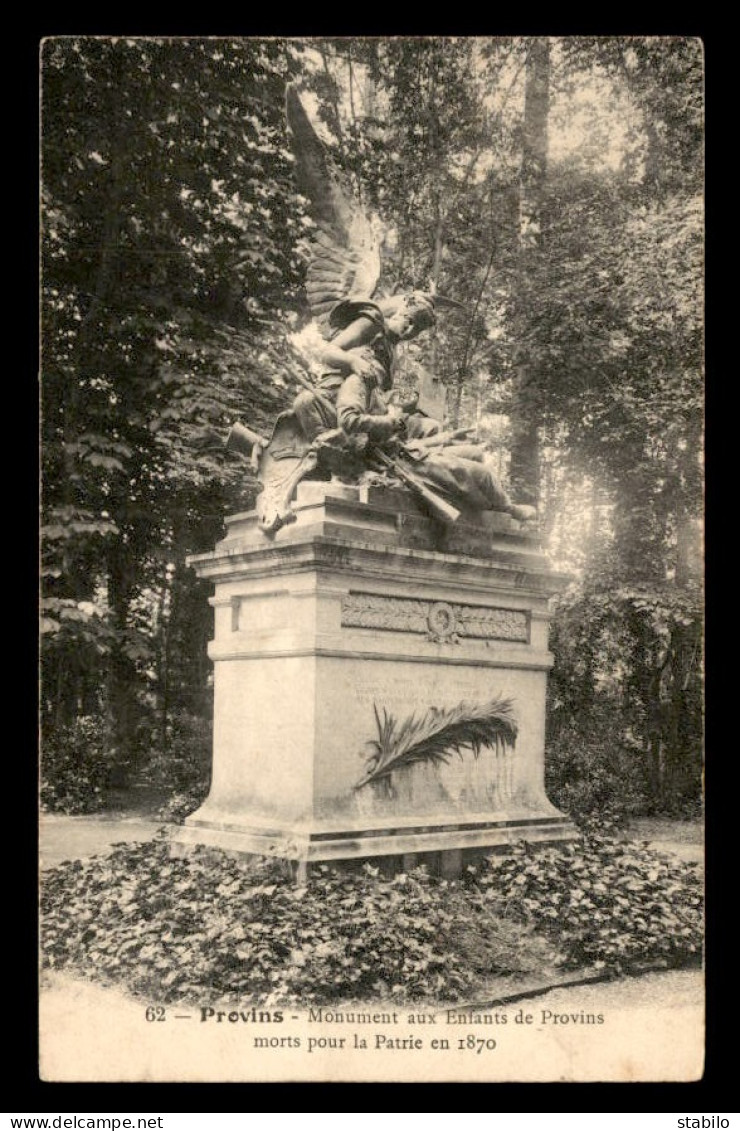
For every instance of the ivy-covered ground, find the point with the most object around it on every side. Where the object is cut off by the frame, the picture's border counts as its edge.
(174, 928)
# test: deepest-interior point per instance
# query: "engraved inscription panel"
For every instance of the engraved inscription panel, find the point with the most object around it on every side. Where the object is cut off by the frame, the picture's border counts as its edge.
(439, 621)
(411, 694)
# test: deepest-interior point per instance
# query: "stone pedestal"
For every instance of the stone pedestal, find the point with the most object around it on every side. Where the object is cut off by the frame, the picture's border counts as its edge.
(363, 606)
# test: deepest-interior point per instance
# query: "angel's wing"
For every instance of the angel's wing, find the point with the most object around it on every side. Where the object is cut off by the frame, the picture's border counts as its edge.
(345, 254)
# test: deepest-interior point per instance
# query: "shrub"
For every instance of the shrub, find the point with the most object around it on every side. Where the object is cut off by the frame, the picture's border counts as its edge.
(615, 905)
(625, 697)
(181, 804)
(592, 768)
(181, 928)
(75, 767)
(183, 768)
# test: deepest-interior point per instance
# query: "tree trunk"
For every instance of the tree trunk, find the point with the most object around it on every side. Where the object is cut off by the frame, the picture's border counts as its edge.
(525, 415)
(88, 333)
(684, 709)
(683, 768)
(439, 220)
(163, 659)
(122, 702)
(77, 688)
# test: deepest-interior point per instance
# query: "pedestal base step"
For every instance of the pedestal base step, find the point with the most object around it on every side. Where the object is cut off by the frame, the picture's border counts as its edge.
(447, 843)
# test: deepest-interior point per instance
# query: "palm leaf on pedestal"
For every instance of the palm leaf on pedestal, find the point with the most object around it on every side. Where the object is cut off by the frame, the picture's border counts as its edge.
(437, 735)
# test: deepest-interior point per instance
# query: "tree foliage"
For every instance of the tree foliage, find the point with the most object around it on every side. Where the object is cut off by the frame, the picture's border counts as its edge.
(167, 199)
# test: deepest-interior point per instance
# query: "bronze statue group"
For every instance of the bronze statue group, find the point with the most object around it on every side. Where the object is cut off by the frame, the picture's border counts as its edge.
(344, 425)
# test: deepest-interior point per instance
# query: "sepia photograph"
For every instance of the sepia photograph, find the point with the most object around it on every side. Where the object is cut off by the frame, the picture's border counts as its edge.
(371, 663)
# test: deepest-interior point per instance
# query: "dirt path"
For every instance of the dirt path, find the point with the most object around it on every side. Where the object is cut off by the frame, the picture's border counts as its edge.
(684, 838)
(75, 838)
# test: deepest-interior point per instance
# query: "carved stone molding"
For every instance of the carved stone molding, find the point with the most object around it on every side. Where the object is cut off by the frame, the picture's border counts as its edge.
(440, 621)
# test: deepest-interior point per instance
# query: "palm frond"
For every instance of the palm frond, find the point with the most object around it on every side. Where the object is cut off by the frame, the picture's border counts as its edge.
(437, 735)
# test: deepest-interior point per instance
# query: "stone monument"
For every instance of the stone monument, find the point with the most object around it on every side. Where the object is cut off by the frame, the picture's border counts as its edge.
(380, 646)
(349, 621)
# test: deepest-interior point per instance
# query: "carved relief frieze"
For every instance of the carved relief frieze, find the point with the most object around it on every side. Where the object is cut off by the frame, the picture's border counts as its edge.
(440, 621)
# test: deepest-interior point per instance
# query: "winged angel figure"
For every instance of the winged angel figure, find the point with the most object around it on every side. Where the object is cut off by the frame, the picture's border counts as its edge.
(344, 425)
